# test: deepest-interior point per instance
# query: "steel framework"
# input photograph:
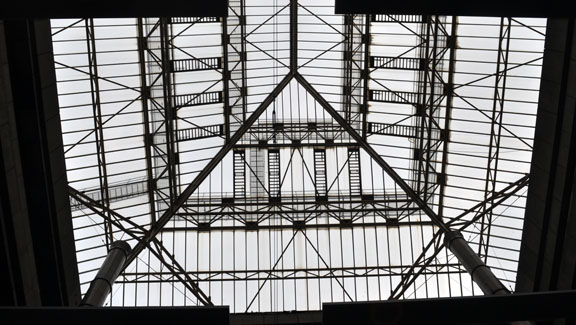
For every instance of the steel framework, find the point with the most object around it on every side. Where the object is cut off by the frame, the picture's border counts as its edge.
(285, 156)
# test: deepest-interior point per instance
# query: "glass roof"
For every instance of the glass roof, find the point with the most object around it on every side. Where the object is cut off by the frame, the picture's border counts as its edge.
(286, 156)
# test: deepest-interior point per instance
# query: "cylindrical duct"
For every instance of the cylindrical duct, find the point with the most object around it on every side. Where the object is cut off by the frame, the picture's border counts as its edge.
(480, 272)
(101, 286)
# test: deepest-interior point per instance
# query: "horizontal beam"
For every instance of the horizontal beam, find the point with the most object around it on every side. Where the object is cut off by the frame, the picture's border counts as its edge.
(324, 144)
(201, 132)
(477, 310)
(304, 226)
(111, 9)
(288, 200)
(106, 315)
(279, 318)
(288, 211)
(206, 98)
(452, 8)
(283, 274)
(399, 130)
(196, 64)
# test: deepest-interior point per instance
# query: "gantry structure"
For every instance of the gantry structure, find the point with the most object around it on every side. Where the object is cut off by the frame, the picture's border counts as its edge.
(284, 156)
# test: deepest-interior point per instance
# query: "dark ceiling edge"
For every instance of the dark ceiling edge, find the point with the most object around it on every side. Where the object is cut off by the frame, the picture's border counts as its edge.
(218, 8)
(495, 309)
(453, 8)
(121, 316)
(59, 9)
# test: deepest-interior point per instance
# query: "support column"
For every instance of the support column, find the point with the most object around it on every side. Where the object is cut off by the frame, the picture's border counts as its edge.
(480, 272)
(101, 286)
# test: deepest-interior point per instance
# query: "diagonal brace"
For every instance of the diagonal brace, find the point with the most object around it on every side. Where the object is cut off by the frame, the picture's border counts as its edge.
(488, 204)
(160, 252)
(183, 197)
(373, 154)
(487, 281)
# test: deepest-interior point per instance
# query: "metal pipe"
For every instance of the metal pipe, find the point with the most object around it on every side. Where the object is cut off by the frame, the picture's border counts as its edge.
(101, 286)
(480, 272)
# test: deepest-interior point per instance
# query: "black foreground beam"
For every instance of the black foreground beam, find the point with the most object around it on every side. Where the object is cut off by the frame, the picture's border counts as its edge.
(112, 9)
(120, 316)
(37, 187)
(278, 318)
(466, 310)
(456, 8)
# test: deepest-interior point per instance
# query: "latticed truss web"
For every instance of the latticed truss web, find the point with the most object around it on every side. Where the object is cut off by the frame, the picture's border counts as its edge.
(270, 160)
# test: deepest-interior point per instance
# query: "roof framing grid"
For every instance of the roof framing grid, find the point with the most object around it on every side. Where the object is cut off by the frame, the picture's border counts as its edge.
(351, 153)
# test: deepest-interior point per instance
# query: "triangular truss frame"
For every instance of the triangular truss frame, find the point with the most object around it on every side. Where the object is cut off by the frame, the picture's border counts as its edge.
(146, 238)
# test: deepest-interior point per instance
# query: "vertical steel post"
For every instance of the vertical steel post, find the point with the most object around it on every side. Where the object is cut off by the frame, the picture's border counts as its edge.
(449, 86)
(226, 76)
(145, 93)
(293, 35)
(101, 286)
(367, 39)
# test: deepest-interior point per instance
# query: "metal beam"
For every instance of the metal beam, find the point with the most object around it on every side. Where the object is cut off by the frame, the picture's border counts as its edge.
(461, 249)
(366, 38)
(142, 40)
(101, 286)
(98, 125)
(373, 154)
(320, 272)
(170, 114)
(160, 252)
(425, 106)
(111, 9)
(347, 66)
(235, 43)
(496, 127)
(449, 8)
(422, 262)
(225, 78)
(480, 272)
(293, 35)
(302, 226)
(541, 306)
(487, 205)
(448, 113)
(183, 197)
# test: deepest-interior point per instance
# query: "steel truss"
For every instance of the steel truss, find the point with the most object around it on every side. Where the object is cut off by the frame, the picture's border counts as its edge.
(155, 247)
(291, 274)
(98, 127)
(436, 41)
(159, 97)
(495, 130)
(431, 251)
(337, 146)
